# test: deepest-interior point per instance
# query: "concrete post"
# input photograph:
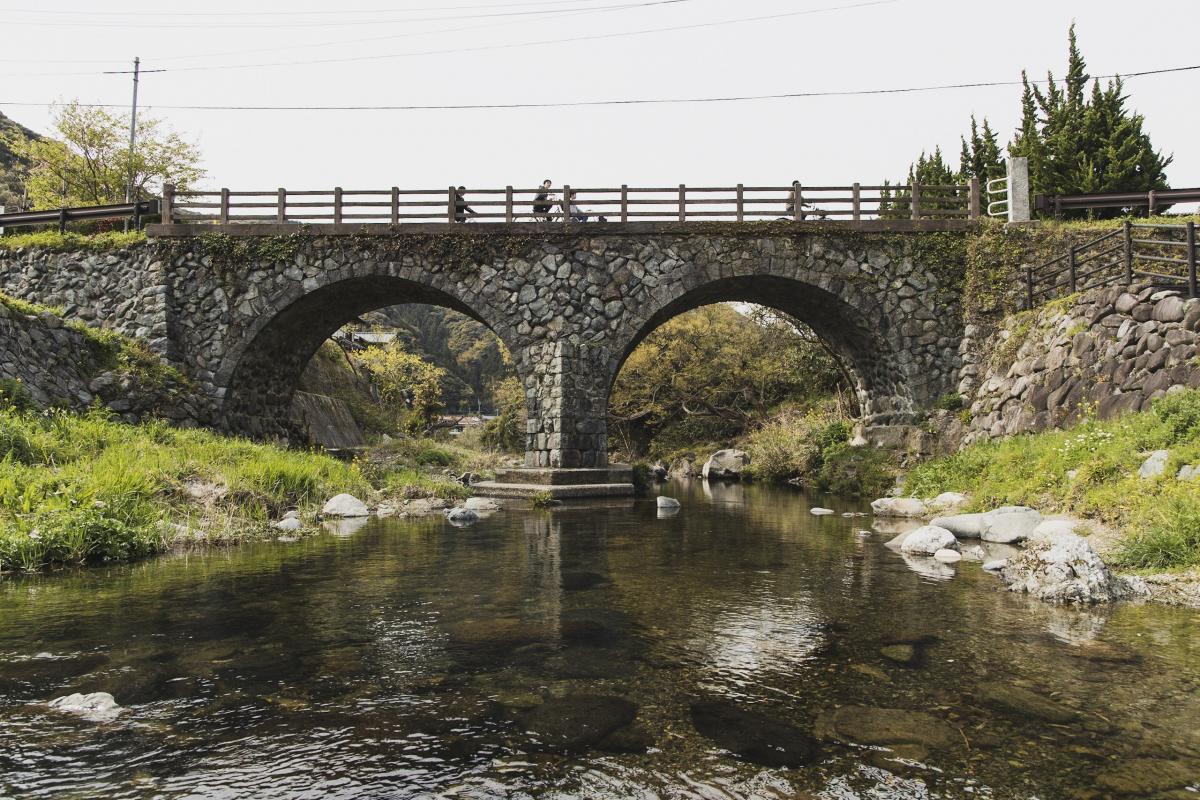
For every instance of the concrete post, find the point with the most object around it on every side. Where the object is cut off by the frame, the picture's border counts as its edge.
(1018, 190)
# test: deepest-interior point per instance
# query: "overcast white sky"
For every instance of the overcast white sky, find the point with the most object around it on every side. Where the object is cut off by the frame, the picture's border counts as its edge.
(829, 140)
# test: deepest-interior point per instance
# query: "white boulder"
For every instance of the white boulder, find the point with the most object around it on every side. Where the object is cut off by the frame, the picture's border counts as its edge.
(1188, 472)
(1008, 524)
(667, 502)
(288, 524)
(1155, 465)
(725, 464)
(1066, 569)
(947, 501)
(995, 565)
(481, 504)
(94, 707)
(345, 505)
(948, 556)
(899, 507)
(1053, 528)
(821, 512)
(927, 540)
(963, 526)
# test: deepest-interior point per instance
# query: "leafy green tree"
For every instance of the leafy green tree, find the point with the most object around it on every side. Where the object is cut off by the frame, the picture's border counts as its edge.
(711, 374)
(408, 385)
(89, 163)
(1079, 142)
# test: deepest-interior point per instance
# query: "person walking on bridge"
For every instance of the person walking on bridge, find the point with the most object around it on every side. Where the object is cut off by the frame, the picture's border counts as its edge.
(461, 209)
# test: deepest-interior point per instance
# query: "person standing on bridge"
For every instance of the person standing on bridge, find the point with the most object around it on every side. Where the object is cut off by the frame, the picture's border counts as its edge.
(543, 201)
(461, 209)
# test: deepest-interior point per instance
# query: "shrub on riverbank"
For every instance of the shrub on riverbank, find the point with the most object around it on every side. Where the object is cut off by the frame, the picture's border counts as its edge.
(811, 448)
(1092, 470)
(83, 488)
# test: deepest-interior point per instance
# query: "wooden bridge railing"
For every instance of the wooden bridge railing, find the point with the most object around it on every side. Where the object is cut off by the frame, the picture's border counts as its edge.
(1162, 255)
(613, 204)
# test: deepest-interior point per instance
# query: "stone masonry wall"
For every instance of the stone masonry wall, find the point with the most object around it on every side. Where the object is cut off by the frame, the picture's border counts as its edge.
(60, 366)
(123, 290)
(1110, 350)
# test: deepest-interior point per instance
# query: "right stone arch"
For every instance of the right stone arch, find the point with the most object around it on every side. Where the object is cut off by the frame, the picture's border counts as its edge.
(870, 346)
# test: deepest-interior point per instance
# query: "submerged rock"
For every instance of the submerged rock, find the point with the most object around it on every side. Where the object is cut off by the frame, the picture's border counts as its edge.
(1023, 702)
(345, 505)
(577, 580)
(905, 654)
(886, 727)
(753, 735)
(1143, 776)
(928, 540)
(725, 464)
(94, 707)
(1008, 524)
(577, 722)
(1065, 569)
(899, 507)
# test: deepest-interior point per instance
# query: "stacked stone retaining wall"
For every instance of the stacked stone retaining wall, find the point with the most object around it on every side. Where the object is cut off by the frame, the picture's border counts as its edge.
(1108, 351)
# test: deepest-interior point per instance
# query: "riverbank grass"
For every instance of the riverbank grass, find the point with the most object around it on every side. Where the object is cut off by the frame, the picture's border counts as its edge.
(83, 488)
(1091, 471)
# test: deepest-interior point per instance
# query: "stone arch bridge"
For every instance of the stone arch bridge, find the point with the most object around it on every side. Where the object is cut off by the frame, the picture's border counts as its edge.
(241, 308)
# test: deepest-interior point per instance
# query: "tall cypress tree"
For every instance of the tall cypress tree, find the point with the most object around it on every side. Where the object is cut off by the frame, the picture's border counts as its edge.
(1077, 143)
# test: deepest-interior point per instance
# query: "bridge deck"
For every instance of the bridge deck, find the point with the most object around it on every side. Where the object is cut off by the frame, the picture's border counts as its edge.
(558, 228)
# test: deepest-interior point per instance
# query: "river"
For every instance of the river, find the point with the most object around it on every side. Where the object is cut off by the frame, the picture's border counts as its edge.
(741, 648)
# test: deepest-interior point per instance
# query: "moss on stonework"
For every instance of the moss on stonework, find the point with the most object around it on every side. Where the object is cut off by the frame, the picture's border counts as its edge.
(60, 242)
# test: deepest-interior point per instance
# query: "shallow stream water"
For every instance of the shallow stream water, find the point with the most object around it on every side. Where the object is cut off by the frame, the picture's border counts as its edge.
(741, 648)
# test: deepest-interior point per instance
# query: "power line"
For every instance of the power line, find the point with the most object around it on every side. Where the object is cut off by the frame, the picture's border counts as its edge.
(626, 102)
(289, 12)
(327, 23)
(511, 45)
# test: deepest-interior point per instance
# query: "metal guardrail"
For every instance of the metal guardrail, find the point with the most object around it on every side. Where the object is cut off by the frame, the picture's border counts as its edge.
(23, 219)
(1152, 200)
(1162, 255)
(569, 204)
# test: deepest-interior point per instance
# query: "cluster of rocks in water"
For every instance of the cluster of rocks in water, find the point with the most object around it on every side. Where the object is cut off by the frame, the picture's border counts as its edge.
(344, 514)
(1053, 563)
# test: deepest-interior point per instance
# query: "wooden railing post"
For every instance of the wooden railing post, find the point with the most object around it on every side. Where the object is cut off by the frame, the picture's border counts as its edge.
(1128, 235)
(797, 201)
(508, 204)
(682, 203)
(973, 199)
(566, 204)
(916, 200)
(337, 205)
(1190, 235)
(856, 199)
(1072, 263)
(395, 205)
(1152, 201)
(1028, 287)
(451, 206)
(224, 213)
(281, 205)
(168, 203)
(624, 202)
(741, 203)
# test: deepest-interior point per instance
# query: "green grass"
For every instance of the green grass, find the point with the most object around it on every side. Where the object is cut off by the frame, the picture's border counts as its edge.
(53, 240)
(78, 489)
(1161, 516)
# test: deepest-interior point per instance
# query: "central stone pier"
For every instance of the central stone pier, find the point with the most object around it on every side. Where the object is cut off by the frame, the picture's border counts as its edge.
(615, 480)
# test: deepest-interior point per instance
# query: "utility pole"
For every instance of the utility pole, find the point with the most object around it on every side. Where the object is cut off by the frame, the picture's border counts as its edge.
(129, 198)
